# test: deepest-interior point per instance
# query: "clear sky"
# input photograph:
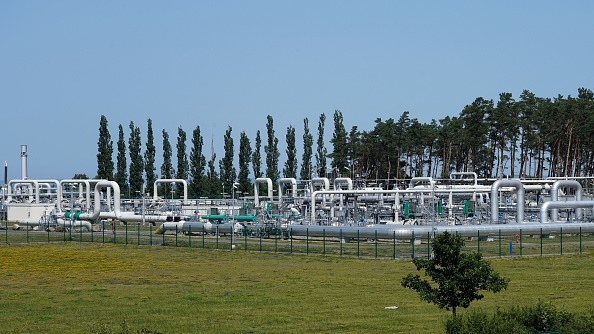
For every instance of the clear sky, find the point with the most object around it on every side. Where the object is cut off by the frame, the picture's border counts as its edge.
(231, 63)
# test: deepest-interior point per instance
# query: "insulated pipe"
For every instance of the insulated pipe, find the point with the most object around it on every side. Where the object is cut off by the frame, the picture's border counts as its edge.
(182, 181)
(24, 162)
(34, 185)
(407, 232)
(519, 200)
(293, 183)
(268, 182)
(555, 196)
(397, 192)
(87, 184)
(323, 180)
(473, 174)
(562, 205)
(97, 211)
(343, 180)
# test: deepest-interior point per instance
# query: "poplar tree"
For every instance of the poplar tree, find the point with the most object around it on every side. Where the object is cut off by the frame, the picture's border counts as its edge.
(306, 164)
(136, 162)
(182, 158)
(290, 169)
(105, 151)
(321, 149)
(257, 156)
(213, 178)
(149, 155)
(167, 170)
(197, 164)
(121, 176)
(245, 156)
(227, 170)
(272, 153)
(339, 142)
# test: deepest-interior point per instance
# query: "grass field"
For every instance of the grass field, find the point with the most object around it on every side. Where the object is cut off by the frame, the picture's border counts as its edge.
(74, 287)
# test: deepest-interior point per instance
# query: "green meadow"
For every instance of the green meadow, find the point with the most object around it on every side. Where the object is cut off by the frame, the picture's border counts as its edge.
(94, 288)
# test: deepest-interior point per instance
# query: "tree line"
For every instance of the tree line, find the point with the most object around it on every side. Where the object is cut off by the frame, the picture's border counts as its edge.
(527, 136)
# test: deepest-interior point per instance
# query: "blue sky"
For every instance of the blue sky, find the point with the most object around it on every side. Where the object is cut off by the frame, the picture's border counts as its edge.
(215, 64)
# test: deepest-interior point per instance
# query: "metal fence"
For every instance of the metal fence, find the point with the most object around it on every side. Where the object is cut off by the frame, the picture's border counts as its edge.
(493, 245)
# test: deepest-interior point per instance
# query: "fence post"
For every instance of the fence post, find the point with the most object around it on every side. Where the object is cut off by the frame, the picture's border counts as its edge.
(189, 235)
(126, 233)
(176, 233)
(541, 241)
(231, 230)
(291, 239)
(412, 241)
(358, 244)
(428, 245)
(580, 240)
(103, 232)
(499, 242)
(307, 241)
(324, 241)
(137, 236)
(561, 239)
(520, 242)
(6, 229)
(478, 241)
(376, 244)
(92, 237)
(27, 227)
(340, 241)
(48, 238)
(394, 244)
(203, 233)
(163, 238)
(150, 235)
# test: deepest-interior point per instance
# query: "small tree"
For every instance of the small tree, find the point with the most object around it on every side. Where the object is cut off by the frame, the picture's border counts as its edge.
(459, 276)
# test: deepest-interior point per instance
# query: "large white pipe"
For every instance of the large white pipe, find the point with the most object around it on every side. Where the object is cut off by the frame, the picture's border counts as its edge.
(390, 231)
(33, 189)
(396, 192)
(290, 180)
(260, 180)
(519, 200)
(182, 181)
(473, 174)
(343, 180)
(87, 186)
(555, 196)
(562, 205)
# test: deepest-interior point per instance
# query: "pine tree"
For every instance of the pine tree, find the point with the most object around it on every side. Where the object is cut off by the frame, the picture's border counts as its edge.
(136, 162)
(321, 150)
(197, 164)
(272, 153)
(245, 154)
(149, 155)
(121, 176)
(290, 169)
(105, 152)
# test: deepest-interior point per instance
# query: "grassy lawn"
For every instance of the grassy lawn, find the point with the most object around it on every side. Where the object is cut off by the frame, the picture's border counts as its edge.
(73, 287)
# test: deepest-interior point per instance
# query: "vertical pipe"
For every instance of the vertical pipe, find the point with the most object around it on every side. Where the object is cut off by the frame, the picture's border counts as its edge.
(24, 162)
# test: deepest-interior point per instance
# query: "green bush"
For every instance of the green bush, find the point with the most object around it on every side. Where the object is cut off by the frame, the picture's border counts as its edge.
(542, 317)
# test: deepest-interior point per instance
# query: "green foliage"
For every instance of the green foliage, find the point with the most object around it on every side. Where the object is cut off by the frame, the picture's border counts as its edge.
(257, 156)
(339, 142)
(149, 155)
(539, 318)
(197, 164)
(182, 158)
(290, 169)
(460, 277)
(272, 153)
(321, 152)
(245, 156)
(306, 164)
(167, 170)
(136, 161)
(105, 151)
(121, 175)
(227, 171)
